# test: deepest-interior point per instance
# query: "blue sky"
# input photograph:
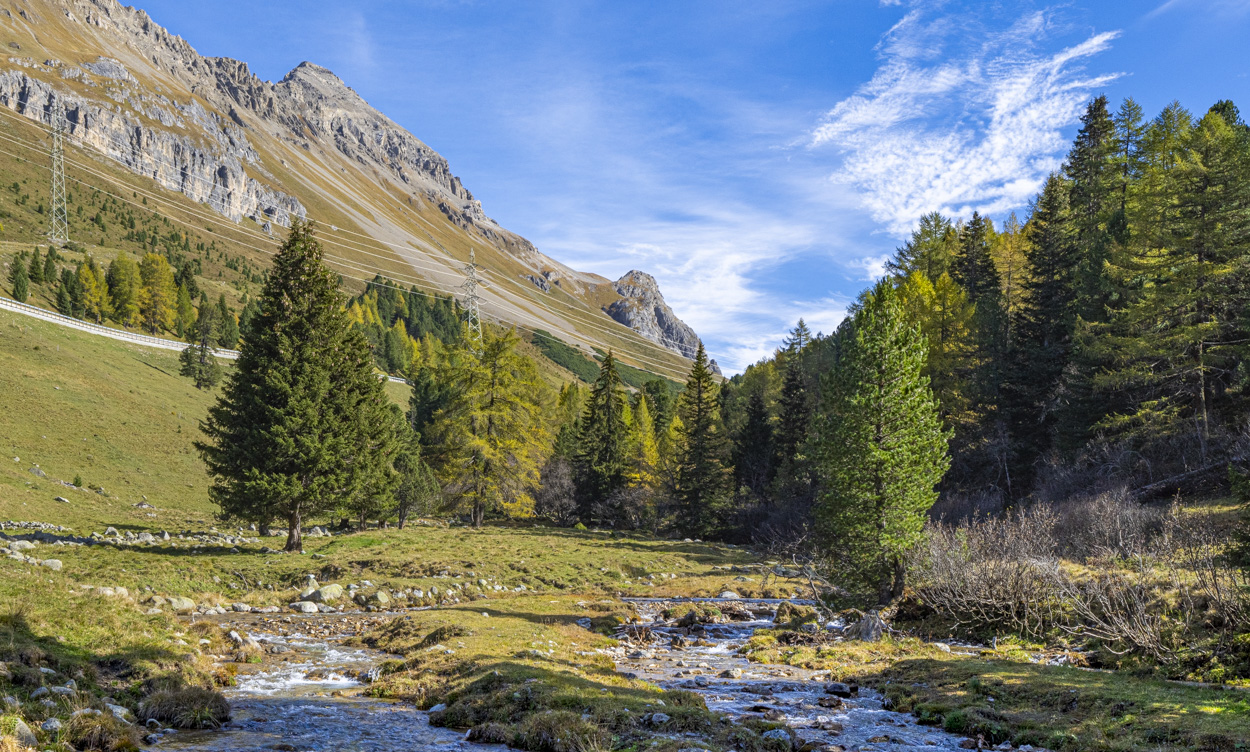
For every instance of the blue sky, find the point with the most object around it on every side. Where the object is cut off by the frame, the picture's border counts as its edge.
(759, 158)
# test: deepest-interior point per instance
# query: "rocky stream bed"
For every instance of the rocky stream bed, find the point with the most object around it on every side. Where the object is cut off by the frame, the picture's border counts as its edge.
(306, 697)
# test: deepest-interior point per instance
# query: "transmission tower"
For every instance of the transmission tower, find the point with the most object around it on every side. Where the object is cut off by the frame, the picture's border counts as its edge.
(58, 233)
(473, 316)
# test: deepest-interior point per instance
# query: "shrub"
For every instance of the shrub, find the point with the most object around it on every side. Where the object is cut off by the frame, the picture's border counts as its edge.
(187, 708)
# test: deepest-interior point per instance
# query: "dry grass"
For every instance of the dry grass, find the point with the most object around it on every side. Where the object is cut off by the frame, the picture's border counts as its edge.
(189, 708)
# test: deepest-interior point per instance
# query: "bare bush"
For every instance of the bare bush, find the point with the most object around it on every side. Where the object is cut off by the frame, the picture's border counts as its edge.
(1195, 549)
(958, 507)
(1108, 524)
(555, 498)
(1118, 608)
(992, 572)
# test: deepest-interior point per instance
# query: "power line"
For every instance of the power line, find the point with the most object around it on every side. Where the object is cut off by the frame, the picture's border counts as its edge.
(58, 231)
(579, 314)
(653, 365)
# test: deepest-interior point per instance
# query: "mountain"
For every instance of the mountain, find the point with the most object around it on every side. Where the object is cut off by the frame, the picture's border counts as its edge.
(258, 153)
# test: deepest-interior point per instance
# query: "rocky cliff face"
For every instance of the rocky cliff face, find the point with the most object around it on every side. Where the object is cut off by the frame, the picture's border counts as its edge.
(642, 308)
(209, 128)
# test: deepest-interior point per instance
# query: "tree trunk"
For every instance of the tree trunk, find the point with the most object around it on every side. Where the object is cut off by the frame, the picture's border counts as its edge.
(479, 513)
(263, 528)
(294, 535)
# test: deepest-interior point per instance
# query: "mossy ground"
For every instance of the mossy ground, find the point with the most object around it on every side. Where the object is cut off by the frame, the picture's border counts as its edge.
(1000, 695)
(523, 672)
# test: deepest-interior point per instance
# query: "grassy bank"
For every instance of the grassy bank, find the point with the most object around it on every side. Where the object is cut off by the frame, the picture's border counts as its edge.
(1001, 695)
(523, 672)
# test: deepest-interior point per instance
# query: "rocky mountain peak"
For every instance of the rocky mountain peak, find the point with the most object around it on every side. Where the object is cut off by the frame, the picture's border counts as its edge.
(642, 308)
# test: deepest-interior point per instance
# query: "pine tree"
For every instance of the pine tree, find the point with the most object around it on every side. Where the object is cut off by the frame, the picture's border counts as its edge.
(93, 290)
(602, 459)
(418, 491)
(881, 447)
(491, 435)
(1044, 325)
(973, 266)
(198, 360)
(930, 250)
(301, 426)
(20, 282)
(49, 266)
(702, 474)
(228, 337)
(1091, 171)
(184, 316)
(35, 269)
(755, 453)
(159, 300)
(125, 289)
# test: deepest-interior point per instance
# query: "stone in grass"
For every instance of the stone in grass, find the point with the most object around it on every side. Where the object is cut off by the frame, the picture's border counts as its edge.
(729, 595)
(304, 607)
(52, 725)
(53, 564)
(62, 499)
(23, 734)
(21, 545)
(181, 605)
(326, 594)
(658, 719)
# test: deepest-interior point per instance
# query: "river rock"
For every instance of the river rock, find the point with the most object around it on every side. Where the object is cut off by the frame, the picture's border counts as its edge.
(326, 594)
(838, 689)
(776, 735)
(181, 605)
(310, 582)
(379, 598)
(241, 608)
(729, 594)
(304, 607)
(731, 673)
(438, 708)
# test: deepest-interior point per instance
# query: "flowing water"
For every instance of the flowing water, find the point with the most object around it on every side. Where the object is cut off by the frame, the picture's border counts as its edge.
(705, 659)
(310, 701)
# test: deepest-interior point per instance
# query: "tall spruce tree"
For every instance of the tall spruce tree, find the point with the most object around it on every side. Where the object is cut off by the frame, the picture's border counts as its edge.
(20, 282)
(702, 475)
(602, 459)
(1044, 323)
(198, 360)
(930, 250)
(302, 426)
(228, 337)
(1092, 175)
(754, 453)
(881, 447)
(34, 270)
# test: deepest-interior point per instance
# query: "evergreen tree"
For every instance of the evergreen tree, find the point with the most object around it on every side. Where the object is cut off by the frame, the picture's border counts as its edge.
(881, 447)
(67, 297)
(661, 401)
(602, 459)
(702, 473)
(49, 266)
(198, 360)
(34, 271)
(973, 266)
(930, 250)
(1091, 171)
(247, 316)
(228, 337)
(418, 492)
(20, 282)
(755, 453)
(302, 424)
(184, 317)
(1044, 325)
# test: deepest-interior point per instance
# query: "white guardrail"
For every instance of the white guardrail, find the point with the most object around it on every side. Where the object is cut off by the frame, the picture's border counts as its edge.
(125, 336)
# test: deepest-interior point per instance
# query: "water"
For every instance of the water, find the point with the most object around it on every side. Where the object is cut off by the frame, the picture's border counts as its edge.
(779, 693)
(310, 702)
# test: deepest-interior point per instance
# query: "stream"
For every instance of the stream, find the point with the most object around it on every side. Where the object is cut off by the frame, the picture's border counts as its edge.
(308, 700)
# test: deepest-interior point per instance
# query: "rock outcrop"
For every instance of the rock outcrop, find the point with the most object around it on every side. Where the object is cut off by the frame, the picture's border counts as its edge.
(642, 308)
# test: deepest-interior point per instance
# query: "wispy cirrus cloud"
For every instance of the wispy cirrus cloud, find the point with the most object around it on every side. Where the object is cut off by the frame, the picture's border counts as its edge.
(959, 117)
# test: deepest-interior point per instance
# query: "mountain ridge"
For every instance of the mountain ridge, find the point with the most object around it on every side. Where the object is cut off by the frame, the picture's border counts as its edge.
(307, 145)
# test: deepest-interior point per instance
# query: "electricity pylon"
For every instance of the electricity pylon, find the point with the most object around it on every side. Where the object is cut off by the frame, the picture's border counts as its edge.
(473, 314)
(58, 233)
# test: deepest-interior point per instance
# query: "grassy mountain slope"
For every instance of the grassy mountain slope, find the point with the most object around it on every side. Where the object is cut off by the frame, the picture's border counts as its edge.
(375, 216)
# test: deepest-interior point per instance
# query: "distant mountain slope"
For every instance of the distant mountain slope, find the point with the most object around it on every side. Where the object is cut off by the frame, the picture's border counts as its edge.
(259, 153)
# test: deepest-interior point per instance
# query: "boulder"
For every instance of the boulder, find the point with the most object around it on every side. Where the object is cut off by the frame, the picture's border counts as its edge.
(52, 725)
(241, 608)
(870, 628)
(22, 545)
(23, 734)
(379, 598)
(729, 594)
(181, 605)
(53, 564)
(657, 719)
(326, 594)
(304, 607)
(62, 499)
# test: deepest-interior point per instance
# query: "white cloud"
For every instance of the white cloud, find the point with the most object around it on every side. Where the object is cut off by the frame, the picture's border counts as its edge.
(979, 129)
